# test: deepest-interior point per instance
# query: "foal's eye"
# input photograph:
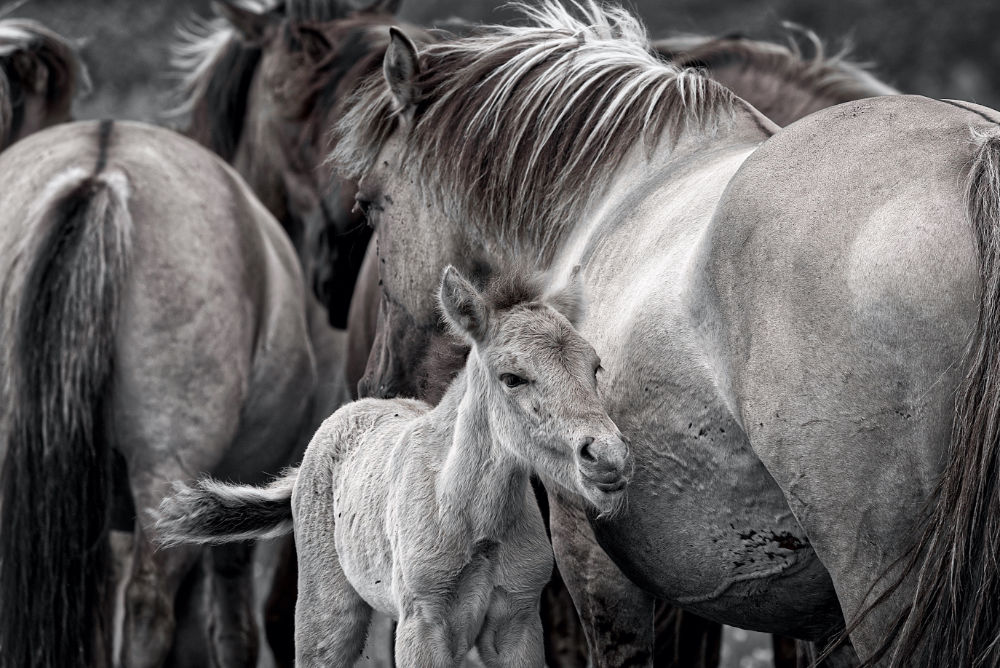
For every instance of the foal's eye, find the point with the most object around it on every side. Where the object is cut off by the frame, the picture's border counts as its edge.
(511, 380)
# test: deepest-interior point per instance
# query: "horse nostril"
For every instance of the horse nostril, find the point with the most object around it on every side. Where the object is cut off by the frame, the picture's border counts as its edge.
(584, 449)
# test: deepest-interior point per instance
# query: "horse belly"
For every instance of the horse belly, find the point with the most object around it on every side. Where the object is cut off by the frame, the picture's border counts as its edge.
(706, 526)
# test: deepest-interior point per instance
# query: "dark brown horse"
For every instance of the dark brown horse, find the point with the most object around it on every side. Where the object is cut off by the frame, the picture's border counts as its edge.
(40, 74)
(780, 81)
(261, 89)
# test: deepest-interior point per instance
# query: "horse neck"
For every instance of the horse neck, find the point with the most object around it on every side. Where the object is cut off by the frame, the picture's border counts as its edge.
(481, 486)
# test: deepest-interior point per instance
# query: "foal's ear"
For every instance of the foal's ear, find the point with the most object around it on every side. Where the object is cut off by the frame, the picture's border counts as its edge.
(569, 299)
(253, 27)
(463, 306)
(400, 68)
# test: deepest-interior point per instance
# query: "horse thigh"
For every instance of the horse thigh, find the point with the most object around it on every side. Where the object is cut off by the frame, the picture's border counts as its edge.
(331, 618)
(617, 616)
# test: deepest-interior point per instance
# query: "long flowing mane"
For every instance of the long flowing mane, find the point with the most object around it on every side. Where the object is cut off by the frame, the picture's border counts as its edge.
(518, 127)
(26, 44)
(780, 81)
(215, 69)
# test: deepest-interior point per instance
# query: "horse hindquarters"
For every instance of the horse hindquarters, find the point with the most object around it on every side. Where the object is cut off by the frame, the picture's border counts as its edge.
(953, 618)
(331, 618)
(58, 458)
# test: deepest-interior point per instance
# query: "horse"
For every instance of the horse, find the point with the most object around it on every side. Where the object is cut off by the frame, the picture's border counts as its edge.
(426, 513)
(157, 328)
(40, 75)
(260, 86)
(783, 316)
(779, 81)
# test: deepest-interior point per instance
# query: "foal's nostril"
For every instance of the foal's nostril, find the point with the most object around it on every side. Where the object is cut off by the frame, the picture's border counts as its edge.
(584, 449)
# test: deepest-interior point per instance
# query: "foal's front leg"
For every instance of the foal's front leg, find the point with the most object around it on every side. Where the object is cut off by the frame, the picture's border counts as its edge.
(617, 616)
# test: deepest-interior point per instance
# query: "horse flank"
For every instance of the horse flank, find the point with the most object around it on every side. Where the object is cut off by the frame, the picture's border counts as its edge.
(573, 94)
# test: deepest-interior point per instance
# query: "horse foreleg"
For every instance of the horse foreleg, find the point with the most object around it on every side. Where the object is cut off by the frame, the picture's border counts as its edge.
(617, 615)
(232, 627)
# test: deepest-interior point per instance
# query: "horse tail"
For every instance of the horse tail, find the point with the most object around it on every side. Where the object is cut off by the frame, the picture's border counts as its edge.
(212, 512)
(953, 618)
(61, 317)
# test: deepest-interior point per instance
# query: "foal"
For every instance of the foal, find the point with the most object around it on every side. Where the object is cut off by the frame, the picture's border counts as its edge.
(426, 514)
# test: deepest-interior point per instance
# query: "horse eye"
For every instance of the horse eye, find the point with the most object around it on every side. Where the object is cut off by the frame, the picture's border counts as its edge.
(598, 368)
(511, 380)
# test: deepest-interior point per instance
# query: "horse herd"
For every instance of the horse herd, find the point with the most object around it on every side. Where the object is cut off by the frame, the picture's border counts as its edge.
(711, 325)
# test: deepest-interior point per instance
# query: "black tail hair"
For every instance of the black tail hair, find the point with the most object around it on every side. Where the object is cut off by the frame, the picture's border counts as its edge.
(212, 512)
(56, 477)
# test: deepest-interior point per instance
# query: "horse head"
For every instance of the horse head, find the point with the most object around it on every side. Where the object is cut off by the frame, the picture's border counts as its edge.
(538, 379)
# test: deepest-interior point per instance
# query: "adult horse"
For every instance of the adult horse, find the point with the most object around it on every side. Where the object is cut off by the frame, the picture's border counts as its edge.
(782, 317)
(157, 328)
(779, 81)
(261, 86)
(40, 74)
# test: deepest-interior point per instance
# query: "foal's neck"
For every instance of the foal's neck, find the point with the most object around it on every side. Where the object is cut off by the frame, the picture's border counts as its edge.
(481, 486)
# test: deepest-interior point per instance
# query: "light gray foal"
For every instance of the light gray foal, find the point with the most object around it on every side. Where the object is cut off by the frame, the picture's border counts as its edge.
(426, 514)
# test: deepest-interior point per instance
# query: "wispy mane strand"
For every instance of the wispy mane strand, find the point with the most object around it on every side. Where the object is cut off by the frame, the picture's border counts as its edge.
(519, 127)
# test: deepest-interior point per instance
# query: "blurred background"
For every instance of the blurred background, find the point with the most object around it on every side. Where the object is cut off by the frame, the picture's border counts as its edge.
(920, 46)
(944, 50)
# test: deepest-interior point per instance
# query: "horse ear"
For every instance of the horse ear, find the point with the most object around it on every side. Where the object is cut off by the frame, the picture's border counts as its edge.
(253, 27)
(463, 307)
(569, 299)
(400, 69)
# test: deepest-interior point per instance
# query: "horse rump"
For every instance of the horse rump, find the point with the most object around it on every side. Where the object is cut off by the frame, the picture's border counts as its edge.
(953, 618)
(61, 306)
(212, 512)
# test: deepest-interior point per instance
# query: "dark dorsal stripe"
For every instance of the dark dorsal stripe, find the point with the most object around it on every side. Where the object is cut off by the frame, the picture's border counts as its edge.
(103, 143)
(971, 110)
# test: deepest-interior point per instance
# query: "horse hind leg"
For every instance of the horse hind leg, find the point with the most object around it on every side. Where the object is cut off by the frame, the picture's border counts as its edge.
(232, 625)
(331, 618)
(149, 622)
